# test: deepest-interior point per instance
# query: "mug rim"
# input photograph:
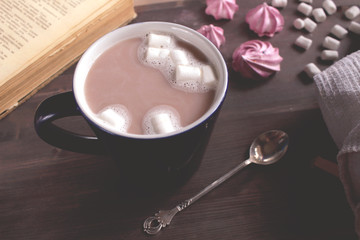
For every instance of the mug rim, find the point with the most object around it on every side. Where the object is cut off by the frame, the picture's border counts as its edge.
(88, 55)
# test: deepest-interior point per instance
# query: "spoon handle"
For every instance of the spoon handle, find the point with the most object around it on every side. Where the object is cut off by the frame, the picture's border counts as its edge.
(153, 225)
(219, 181)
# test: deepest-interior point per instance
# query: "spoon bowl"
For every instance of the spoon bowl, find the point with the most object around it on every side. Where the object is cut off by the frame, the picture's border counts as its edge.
(269, 147)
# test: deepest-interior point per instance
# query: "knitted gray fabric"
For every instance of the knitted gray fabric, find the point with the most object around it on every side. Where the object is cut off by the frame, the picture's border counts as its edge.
(339, 101)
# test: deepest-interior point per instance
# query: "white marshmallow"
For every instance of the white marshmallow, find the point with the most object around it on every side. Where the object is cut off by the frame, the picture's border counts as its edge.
(305, 9)
(329, 55)
(299, 23)
(319, 14)
(208, 77)
(354, 27)
(161, 123)
(187, 74)
(161, 119)
(303, 42)
(153, 53)
(311, 70)
(115, 117)
(179, 57)
(307, 1)
(159, 41)
(279, 3)
(331, 43)
(329, 6)
(310, 25)
(352, 12)
(338, 31)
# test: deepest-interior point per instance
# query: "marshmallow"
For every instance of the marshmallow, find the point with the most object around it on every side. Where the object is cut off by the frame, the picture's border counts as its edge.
(208, 77)
(279, 3)
(352, 12)
(303, 42)
(187, 74)
(307, 1)
(329, 55)
(319, 14)
(179, 57)
(338, 31)
(162, 123)
(311, 70)
(331, 43)
(115, 117)
(354, 27)
(159, 41)
(305, 9)
(161, 119)
(299, 23)
(156, 53)
(310, 25)
(329, 6)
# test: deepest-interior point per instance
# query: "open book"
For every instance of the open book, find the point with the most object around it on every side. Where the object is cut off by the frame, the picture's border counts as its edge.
(40, 38)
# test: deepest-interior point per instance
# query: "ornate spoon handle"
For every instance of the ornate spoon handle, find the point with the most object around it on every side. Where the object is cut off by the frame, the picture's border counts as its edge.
(154, 224)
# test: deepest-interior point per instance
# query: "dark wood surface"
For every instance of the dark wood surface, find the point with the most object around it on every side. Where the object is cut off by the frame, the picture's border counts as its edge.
(49, 193)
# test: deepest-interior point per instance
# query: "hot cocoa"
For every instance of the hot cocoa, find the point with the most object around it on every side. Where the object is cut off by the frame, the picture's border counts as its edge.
(151, 85)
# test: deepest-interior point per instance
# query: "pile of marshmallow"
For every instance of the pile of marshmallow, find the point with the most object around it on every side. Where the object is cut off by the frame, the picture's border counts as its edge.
(190, 74)
(330, 44)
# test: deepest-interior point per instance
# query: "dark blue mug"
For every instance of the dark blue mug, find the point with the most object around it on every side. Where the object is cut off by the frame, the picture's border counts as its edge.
(162, 159)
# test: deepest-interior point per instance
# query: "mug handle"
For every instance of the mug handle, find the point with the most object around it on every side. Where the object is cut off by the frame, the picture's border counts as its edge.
(57, 107)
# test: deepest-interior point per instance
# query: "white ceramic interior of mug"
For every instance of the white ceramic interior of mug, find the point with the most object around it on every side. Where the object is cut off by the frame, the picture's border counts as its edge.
(138, 30)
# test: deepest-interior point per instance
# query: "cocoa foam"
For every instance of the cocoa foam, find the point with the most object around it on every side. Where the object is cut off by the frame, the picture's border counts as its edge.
(148, 125)
(115, 116)
(167, 66)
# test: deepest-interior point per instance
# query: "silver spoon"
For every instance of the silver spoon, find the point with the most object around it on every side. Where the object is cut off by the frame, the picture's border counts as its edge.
(266, 149)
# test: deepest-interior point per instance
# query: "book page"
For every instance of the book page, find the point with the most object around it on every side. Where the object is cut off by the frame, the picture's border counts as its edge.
(29, 28)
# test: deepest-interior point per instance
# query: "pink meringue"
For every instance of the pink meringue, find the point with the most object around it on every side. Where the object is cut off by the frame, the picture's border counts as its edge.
(221, 9)
(214, 34)
(265, 20)
(256, 59)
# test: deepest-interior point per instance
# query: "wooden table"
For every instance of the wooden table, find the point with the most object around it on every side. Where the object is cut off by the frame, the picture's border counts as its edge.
(49, 193)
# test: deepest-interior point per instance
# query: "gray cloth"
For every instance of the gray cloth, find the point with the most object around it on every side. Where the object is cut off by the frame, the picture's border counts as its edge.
(339, 101)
